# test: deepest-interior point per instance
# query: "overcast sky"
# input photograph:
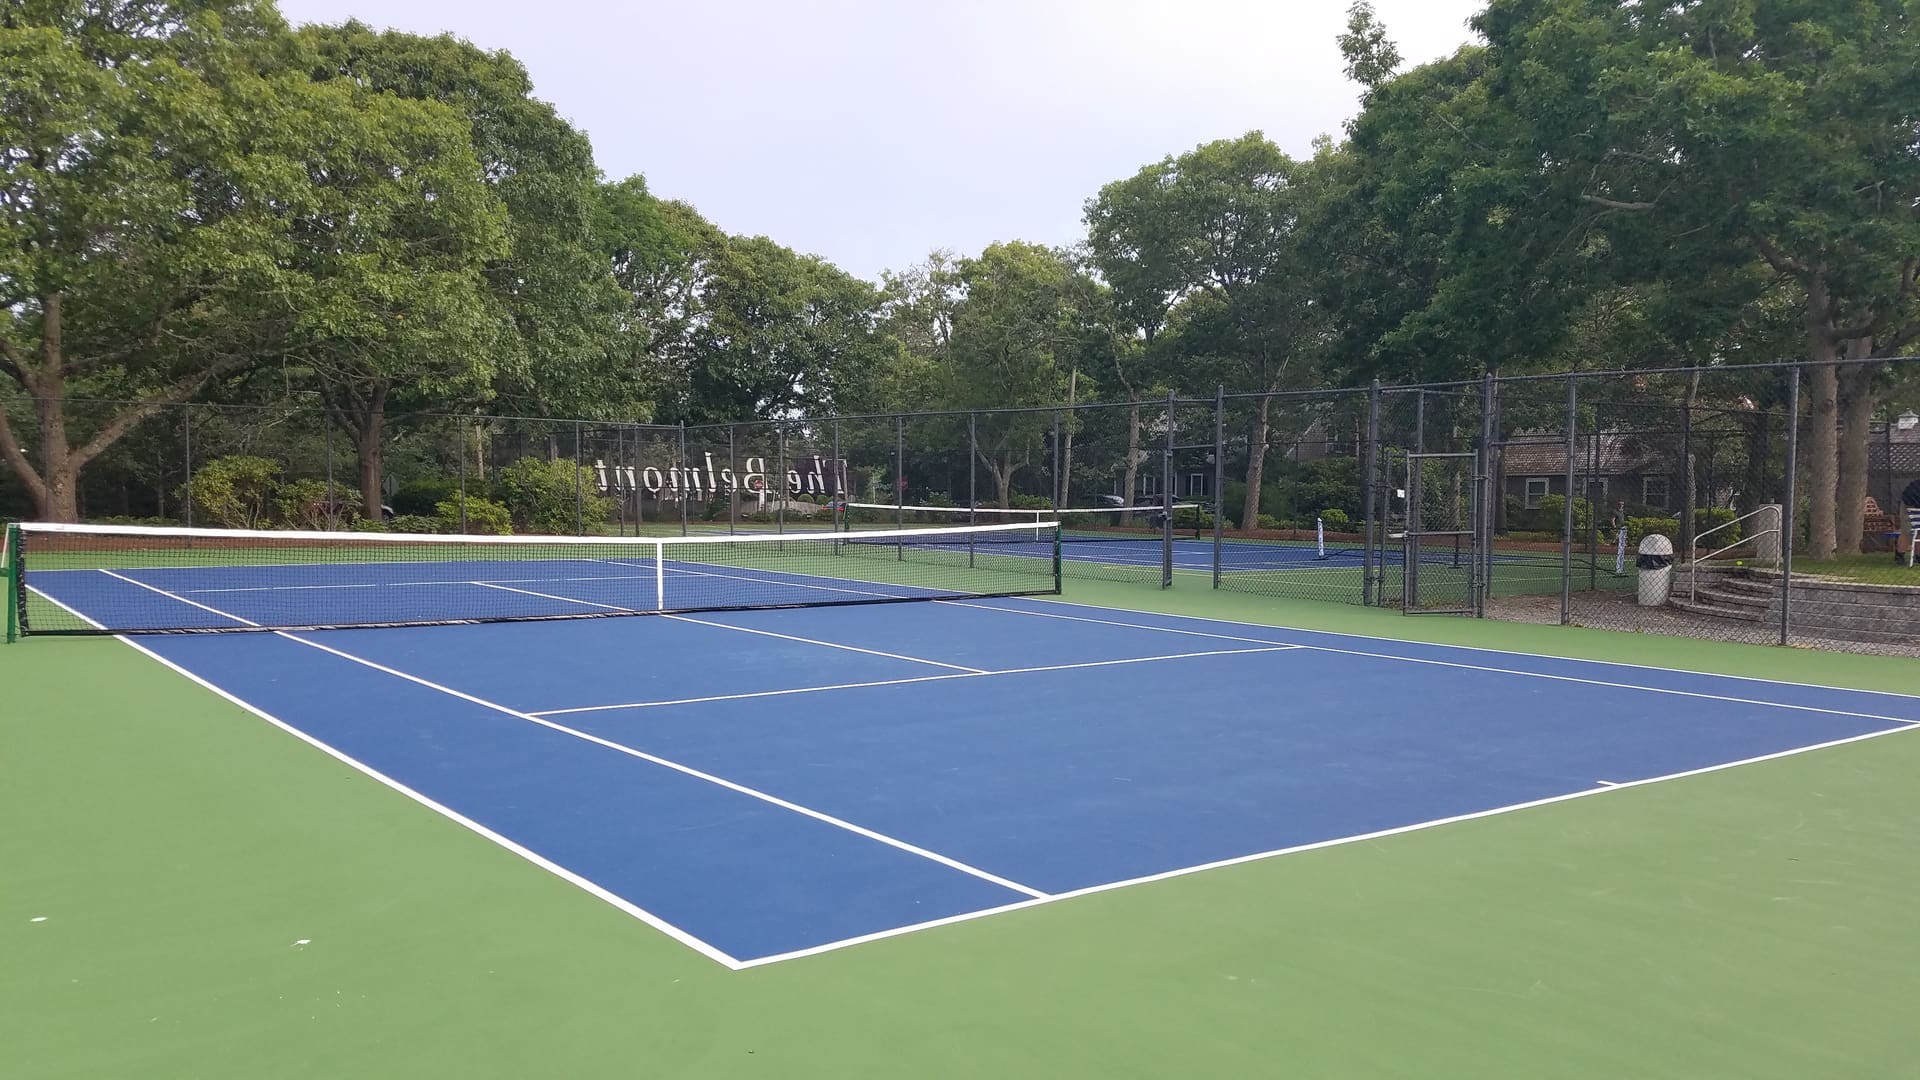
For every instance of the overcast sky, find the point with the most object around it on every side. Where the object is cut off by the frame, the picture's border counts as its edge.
(871, 132)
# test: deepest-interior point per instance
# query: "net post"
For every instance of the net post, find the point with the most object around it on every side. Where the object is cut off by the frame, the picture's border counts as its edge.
(1566, 531)
(16, 592)
(660, 575)
(1371, 526)
(1059, 561)
(1789, 514)
(1166, 501)
(1219, 479)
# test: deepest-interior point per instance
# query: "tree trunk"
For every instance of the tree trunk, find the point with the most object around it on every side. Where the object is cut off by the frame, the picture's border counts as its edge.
(1821, 458)
(59, 497)
(1256, 462)
(1856, 416)
(1132, 472)
(365, 419)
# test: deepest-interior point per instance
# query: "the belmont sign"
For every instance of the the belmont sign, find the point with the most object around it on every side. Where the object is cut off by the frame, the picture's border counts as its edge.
(811, 475)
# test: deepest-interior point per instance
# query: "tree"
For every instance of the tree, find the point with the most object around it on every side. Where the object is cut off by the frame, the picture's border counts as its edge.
(1010, 332)
(147, 162)
(1714, 133)
(395, 233)
(1217, 228)
(551, 279)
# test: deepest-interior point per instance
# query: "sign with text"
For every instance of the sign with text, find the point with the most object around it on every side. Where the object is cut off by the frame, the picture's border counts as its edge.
(811, 475)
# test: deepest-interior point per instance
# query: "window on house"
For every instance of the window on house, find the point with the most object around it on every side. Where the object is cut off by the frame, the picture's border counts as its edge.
(1653, 491)
(1597, 490)
(1149, 484)
(1197, 485)
(1536, 490)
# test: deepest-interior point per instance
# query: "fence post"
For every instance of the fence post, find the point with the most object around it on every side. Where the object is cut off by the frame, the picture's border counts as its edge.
(839, 479)
(1790, 513)
(1219, 478)
(189, 447)
(900, 483)
(1489, 431)
(579, 487)
(1058, 495)
(733, 470)
(1166, 501)
(973, 479)
(462, 509)
(780, 452)
(1566, 533)
(1370, 526)
(685, 483)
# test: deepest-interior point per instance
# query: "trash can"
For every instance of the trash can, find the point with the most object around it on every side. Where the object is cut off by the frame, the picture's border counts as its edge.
(1656, 570)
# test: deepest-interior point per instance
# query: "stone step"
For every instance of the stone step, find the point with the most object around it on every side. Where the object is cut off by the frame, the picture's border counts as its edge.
(1737, 614)
(1727, 598)
(1748, 587)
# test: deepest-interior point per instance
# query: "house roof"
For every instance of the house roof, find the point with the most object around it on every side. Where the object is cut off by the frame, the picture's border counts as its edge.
(1607, 453)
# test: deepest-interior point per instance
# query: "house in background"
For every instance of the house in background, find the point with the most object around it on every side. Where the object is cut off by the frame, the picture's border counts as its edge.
(1893, 458)
(1609, 467)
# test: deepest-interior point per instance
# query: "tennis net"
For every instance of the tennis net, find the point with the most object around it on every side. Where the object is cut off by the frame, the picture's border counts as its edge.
(121, 579)
(1097, 523)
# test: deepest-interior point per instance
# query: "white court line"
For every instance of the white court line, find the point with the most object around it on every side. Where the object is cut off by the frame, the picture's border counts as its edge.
(672, 569)
(1762, 702)
(904, 682)
(541, 861)
(730, 962)
(1313, 846)
(592, 888)
(766, 797)
(408, 584)
(1449, 645)
(171, 596)
(827, 644)
(550, 596)
(1498, 670)
(755, 793)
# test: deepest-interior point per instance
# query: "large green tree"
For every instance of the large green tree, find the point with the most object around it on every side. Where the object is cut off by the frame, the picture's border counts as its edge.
(181, 201)
(1217, 228)
(551, 280)
(1696, 136)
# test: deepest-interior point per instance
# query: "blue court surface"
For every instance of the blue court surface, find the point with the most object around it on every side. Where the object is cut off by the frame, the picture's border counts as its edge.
(764, 785)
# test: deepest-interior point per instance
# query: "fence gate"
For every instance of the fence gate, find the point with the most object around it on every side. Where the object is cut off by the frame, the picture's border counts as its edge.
(1440, 551)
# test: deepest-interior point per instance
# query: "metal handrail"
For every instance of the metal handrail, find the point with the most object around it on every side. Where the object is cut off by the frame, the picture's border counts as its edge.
(1693, 549)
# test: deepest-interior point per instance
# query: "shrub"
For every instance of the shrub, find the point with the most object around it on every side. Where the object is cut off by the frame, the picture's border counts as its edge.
(414, 523)
(419, 497)
(546, 497)
(1335, 518)
(484, 518)
(1638, 528)
(1027, 502)
(311, 504)
(1267, 521)
(1711, 517)
(234, 492)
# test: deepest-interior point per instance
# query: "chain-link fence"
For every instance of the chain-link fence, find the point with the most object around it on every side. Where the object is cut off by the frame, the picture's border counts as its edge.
(1524, 499)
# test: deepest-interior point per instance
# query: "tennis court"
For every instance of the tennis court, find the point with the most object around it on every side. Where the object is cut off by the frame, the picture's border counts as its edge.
(766, 785)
